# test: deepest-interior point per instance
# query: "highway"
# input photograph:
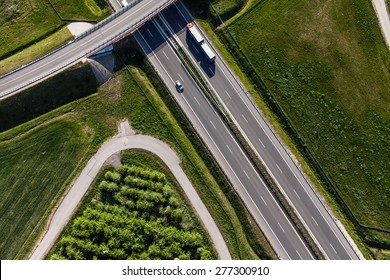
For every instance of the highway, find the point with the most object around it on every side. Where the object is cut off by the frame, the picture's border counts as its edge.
(333, 241)
(277, 227)
(77, 49)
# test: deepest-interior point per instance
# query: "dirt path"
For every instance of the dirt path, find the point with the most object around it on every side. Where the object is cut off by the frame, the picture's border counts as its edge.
(123, 141)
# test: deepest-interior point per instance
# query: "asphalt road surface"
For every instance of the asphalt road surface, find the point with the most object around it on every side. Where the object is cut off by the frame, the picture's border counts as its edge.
(75, 51)
(94, 165)
(333, 240)
(228, 153)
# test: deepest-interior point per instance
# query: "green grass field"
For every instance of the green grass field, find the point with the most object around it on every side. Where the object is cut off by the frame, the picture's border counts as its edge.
(226, 6)
(23, 23)
(328, 67)
(34, 169)
(76, 9)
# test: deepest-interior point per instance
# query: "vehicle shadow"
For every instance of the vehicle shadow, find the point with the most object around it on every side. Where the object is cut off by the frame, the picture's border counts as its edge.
(207, 66)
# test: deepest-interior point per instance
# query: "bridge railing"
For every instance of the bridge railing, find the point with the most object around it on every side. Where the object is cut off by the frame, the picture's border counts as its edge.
(107, 20)
(131, 28)
(114, 38)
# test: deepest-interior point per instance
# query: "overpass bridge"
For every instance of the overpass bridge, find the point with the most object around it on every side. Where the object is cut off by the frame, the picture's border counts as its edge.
(113, 28)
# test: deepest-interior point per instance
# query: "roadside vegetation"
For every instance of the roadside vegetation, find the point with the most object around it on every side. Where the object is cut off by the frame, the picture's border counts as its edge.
(24, 23)
(227, 8)
(128, 94)
(92, 10)
(326, 65)
(136, 214)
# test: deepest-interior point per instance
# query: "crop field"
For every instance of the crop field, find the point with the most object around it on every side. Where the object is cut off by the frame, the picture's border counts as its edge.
(23, 23)
(328, 67)
(135, 214)
(34, 169)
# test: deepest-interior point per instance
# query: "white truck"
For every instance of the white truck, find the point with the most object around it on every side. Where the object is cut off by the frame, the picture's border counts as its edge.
(200, 41)
(124, 3)
(195, 33)
(208, 52)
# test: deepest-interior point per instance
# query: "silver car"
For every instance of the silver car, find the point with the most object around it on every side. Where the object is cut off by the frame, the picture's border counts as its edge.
(179, 86)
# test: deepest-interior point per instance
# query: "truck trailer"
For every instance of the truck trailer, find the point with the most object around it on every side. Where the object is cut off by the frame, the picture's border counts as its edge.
(195, 33)
(208, 52)
(124, 3)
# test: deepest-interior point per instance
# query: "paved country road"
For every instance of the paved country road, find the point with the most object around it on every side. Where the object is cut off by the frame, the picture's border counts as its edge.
(125, 141)
(382, 13)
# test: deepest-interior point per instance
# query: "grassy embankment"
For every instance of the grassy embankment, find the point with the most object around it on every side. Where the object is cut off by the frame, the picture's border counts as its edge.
(27, 23)
(328, 68)
(98, 115)
(138, 200)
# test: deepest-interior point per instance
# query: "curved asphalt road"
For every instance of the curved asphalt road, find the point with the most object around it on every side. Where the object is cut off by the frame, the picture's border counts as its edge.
(81, 185)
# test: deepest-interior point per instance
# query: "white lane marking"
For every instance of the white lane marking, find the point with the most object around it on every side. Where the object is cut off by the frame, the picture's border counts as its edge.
(179, 25)
(246, 174)
(120, 4)
(296, 194)
(299, 254)
(261, 142)
(281, 226)
(244, 118)
(196, 49)
(278, 168)
(143, 38)
(333, 248)
(211, 70)
(314, 220)
(258, 210)
(263, 200)
(165, 55)
(150, 32)
(196, 100)
(180, 77)
(228, 94)
(295, 175)
(213, 125)
(232, 170)
(229, 149)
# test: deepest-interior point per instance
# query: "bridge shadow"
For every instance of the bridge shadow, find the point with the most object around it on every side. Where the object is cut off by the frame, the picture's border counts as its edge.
(63, 88)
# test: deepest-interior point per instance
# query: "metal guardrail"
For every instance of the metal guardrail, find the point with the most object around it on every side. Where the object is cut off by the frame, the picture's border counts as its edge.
(107, 42)
(107, 20)
(36, 60)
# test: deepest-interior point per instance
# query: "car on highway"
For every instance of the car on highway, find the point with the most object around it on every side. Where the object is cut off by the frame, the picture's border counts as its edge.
(179, 86)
